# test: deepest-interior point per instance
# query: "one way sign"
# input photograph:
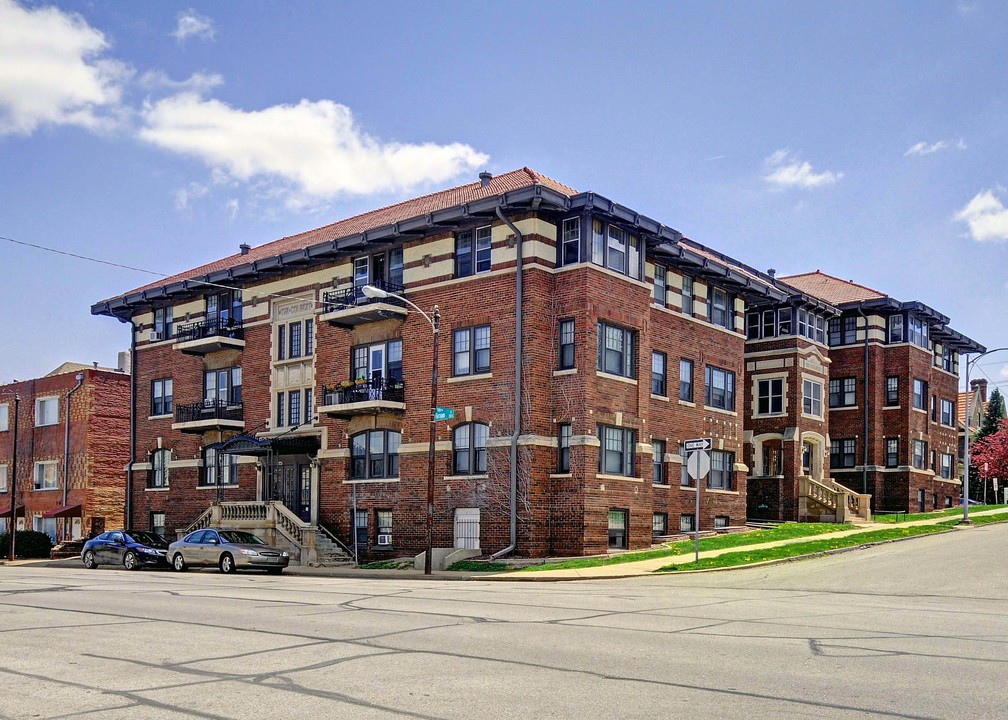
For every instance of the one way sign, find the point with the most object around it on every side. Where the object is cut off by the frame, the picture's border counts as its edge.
(698, 444)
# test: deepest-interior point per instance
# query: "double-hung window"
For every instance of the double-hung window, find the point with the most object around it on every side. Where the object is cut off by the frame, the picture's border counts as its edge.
(891, 452)
(920, 454)
(161, 396)
(770, 396)
(472, 251)
(616, 456)
(719, 311)
(720, 388)
(920, 394)
(616, 348)
(784, 321)
(45, 475)
(563, 447)
(842, 392)
(895, 328)
(469, 449)
(842, 453)
(622, 251)
(685, 380)
(945, 470)
(687, 296)
(659, 525)
(570, 241)
(947, 412)
(219, 468)
(658, 374)
(471, 350)
(375, 454)
(948, 360)
(812, 398)
(892, 390)
(917, 332)
(658, 458)
(721, 466)
(158, 477)
(660, 285)
(163, 322)
(46, 411)
(566, 342)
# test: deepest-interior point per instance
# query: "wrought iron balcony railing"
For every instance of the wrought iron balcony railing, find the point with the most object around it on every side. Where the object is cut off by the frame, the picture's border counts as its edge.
(390, 389)
(208, 410)
(336, 300)
(229, 328)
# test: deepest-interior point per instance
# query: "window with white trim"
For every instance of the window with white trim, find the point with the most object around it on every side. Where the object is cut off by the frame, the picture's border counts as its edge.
(471, 350)
(570, 241)
(687, 295)
(770, 396)
(719, 310)
(721, 476)
(947, 412)
(892, 391)
(161, 396)
(566, 353)
(469, 449)
(720, 388)
(920, 394)
(616, 249)
(46, 475)
(895, 328)
(658, 374)
(685, 380)
(46, 411)
(658, 459)
(660, 285)
(920, 454)
(946, 464)
(472, 251)
(812, 398)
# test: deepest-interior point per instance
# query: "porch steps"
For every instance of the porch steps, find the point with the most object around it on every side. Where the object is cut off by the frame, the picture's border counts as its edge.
(330, 554)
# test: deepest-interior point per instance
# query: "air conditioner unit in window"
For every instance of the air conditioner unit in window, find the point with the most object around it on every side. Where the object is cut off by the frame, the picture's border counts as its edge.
(155, 336)
(384, 539)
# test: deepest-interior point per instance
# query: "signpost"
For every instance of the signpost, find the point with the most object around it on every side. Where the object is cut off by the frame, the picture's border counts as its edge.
(443, 413)
(697, 466)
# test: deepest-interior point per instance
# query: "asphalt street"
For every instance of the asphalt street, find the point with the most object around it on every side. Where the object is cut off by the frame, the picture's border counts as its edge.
(915, 629)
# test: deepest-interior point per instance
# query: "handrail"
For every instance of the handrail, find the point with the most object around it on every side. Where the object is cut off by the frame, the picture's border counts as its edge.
(209, 410)
(201, 522)
(331, 536)
(336, 300)
(377, 388)
(218, 327)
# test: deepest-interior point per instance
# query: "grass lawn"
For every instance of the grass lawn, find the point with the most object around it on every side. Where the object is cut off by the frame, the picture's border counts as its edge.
(479, 566)
(749, 557)
(929, 515)
(784, 531)
(387, 565)
(986, 519)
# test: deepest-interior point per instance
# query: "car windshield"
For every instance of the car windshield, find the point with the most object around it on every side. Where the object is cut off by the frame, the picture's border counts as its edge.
(239, 537)
(148, 538)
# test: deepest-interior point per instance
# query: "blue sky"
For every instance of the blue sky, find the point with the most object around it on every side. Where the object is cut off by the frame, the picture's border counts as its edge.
(864, 139)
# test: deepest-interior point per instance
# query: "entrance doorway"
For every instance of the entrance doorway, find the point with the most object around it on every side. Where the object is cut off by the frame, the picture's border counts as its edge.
(290, 483)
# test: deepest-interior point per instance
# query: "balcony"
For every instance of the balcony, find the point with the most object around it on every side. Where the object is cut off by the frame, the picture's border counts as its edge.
(208, 415)
(207, 336)
(350, 307)
(368, 398)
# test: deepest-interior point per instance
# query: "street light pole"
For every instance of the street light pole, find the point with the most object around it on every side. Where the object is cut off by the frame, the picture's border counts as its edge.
(434, 319)
(966, 430)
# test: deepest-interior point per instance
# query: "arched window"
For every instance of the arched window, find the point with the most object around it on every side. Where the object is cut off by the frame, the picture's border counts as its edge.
(469, 449)
(159, 469)
(374, 454)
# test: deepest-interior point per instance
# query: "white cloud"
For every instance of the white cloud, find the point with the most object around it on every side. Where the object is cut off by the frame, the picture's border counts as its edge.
(784, 170)
(923, 148)
(986, 216)
(185, 196)
(232, 206)
(52, 71)
(310, 151)
(192, 24)
(199, 83)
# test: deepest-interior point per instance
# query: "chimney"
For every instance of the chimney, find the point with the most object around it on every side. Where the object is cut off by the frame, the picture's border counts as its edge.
(485, 178)
(95, 365)
(771, 272)
(244, 248)
(981, 387)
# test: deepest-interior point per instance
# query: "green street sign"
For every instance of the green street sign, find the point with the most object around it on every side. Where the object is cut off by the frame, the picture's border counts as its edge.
(441, 413)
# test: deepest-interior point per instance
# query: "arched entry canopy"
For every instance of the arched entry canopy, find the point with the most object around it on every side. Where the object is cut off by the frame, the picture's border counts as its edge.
(262, 447)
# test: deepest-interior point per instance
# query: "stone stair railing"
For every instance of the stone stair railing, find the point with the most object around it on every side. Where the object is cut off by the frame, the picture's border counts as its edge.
(840, 502)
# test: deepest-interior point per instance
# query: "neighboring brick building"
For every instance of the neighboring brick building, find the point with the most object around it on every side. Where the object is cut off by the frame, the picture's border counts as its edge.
(69, 475)
(908, 356)
(268, 376)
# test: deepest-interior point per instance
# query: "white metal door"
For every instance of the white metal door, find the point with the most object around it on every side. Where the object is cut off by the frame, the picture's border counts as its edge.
(467, 528)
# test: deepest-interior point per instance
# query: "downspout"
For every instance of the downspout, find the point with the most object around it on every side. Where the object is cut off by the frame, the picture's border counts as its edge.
(519, 276)
(864, 462)
(128, 509)
(66, 436)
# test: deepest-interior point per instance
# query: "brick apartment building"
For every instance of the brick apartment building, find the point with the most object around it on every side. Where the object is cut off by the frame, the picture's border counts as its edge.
(269, 376)
(268, 380)
(72, 434)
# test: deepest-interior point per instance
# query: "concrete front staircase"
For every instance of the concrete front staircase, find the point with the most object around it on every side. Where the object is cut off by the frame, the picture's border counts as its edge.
(828, 501)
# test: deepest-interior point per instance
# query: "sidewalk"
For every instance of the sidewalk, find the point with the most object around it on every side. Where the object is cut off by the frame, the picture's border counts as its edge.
(647, 567)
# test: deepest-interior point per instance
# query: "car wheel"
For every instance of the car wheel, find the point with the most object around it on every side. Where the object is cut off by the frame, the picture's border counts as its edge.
(227, 563)
(89, 560)
(131, 561)
(274, 571)
(178, 563)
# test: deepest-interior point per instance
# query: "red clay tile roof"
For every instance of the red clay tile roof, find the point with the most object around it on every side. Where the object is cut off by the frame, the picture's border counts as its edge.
(415, 207)
(831, 289)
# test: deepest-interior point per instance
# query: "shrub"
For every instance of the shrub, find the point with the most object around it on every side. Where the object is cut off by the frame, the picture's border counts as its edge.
(28, 544)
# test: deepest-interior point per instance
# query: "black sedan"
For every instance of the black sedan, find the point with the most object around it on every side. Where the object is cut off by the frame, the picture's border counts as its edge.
(133, 549)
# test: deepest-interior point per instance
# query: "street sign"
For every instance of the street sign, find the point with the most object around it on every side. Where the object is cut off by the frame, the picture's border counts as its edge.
(698, 444)
(443, 413)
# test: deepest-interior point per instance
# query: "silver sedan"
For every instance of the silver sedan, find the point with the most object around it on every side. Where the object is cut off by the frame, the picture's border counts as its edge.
(230, 550)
